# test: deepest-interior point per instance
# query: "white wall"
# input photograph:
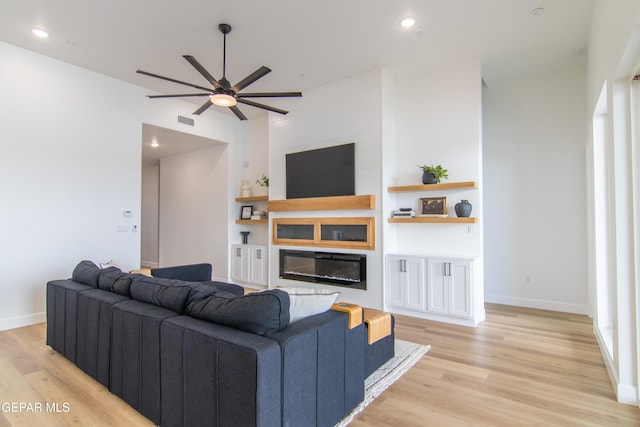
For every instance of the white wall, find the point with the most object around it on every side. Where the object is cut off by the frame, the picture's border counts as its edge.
(70, 165)
(535, 216)
(193, 209)
(67, 172)
(318, 121)
(249, 160)
(149, 216)
(438, 121)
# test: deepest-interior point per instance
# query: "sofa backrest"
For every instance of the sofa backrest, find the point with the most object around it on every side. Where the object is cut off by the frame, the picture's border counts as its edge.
(189, 273)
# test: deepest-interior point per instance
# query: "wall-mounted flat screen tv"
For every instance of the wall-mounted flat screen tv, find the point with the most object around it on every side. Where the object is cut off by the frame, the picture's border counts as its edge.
(321, 173)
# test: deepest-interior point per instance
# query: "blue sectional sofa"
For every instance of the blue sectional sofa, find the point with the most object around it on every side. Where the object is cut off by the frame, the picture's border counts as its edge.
(189, 353)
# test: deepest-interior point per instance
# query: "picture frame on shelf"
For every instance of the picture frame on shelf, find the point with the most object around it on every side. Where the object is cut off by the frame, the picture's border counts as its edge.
(433, 206)
(246, 211)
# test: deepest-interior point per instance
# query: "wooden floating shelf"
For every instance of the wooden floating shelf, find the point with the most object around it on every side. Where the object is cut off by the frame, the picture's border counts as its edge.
(253, 199)
(252, 221)
(417, 220)
(434, 187)
(324, 203)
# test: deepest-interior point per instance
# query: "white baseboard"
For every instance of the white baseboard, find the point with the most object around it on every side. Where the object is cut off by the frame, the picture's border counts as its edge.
(625, 393)
(20, 321)
(539, 304)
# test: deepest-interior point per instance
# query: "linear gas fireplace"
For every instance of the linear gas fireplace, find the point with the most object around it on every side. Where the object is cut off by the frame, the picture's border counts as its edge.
(348, 270)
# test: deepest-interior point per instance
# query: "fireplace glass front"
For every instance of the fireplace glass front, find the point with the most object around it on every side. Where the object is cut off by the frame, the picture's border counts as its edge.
(338, 269)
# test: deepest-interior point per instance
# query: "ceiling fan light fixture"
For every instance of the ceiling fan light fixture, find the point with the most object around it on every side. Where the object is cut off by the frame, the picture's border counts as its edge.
(223, 100)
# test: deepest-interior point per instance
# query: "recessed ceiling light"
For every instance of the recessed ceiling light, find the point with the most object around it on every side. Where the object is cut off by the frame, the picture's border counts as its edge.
(40, 33)
(154, 143)
(407, 22)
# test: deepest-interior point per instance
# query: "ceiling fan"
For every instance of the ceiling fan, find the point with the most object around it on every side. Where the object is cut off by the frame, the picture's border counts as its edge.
(222, 93)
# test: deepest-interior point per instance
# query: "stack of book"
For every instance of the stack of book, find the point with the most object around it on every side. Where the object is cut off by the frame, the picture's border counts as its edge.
(259, 215)
(404, 213)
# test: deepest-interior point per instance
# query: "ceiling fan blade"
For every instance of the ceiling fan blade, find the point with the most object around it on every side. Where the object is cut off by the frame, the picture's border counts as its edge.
(269, 95)
(169, 79)
(179, 95)
(260, 72)
(194, 62)
(238, 113)
(264, 107)
(204, 107)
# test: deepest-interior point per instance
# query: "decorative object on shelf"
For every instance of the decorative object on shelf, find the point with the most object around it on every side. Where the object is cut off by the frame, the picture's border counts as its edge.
(433, 174)
(263, 181)
(245, 237)
(246, 211)
(463, 208)
(403, 213)
(433, 206)
(245, 188)
(259, 215)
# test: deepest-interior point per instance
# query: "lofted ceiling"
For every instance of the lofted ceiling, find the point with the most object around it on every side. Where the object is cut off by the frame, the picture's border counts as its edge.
(307, 44)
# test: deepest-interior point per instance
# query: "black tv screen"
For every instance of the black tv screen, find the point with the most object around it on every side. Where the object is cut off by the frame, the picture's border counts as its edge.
(321, 173)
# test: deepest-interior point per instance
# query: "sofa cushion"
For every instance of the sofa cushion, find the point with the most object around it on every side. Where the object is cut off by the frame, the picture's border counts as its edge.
(259, 313)
(305, 302)
(167, 293)
(87, 273)
(114, 280)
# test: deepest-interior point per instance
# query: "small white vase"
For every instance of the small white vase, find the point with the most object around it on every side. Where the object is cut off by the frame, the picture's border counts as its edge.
(245, 188)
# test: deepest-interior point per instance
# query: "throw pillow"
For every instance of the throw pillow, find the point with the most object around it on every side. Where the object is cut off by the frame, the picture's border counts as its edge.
(114, 280)
(305, 302)
(260, 313)
(167, 293)
(87, 273)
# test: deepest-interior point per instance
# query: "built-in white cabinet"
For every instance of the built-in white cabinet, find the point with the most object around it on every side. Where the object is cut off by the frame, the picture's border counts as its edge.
(449, 287)
(405, 282)
(249, 264)
(435, 288)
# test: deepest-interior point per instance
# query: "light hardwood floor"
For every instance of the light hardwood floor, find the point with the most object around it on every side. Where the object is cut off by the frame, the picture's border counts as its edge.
(520, 367)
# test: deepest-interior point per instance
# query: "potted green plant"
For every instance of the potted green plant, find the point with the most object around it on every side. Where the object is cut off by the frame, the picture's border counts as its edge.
(263, 181)
(433, 174)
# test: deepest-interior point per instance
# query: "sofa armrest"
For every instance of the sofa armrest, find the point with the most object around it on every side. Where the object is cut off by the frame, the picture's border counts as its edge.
(322, 369)
(188, 273)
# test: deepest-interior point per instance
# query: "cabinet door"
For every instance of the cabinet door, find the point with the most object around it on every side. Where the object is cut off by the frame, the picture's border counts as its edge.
(258, 266)
(395, 292)
(414, 273)
(438, 286)
(240, 263)
(406, 282)
(460, 288)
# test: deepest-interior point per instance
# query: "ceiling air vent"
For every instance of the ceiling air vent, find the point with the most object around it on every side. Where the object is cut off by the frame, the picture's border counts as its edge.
(185, 120)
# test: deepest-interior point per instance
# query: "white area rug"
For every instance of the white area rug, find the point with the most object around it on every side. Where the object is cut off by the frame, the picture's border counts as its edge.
(406, 355)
